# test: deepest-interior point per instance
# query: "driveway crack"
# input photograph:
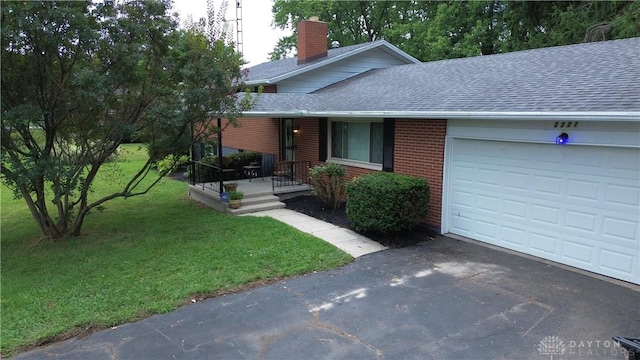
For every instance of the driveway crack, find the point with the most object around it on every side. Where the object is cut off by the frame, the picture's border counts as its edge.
(344, 334)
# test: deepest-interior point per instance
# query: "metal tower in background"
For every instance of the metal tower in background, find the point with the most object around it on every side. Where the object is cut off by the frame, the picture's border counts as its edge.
(239, 26)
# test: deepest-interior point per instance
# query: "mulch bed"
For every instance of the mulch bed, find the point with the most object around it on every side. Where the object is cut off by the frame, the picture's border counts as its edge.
(314, 207)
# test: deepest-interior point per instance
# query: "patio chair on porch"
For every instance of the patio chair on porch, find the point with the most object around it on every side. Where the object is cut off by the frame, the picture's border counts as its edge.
(229, 170)
(283, 170)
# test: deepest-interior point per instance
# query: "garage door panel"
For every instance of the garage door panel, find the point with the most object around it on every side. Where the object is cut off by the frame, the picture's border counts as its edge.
(588, 160)
(514, 209)
(488, 204)
(462, 225)
(519, 154)
(574, 191)
(515, 238)
(486, 229)
(465, 174)
(545, 215)
(488, 177)
(621, 231)
(581, 221)
(625, 162)
(547, 185)
(575, 205)
(622, 194)
(619, 264)
(461, 199)
(544, 244)
(515, 181)
(547, 157)
(579, 252)
(583, 190)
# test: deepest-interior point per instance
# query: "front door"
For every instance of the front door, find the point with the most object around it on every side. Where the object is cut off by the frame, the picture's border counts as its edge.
(287, 146)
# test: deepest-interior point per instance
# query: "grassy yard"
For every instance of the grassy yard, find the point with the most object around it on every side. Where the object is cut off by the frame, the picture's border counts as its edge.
(143, 255)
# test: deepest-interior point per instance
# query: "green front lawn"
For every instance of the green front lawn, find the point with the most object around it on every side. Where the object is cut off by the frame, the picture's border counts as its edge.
(143, 255)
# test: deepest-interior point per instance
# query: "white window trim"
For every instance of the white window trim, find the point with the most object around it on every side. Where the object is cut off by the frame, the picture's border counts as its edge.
(349, 162)
(355, 163)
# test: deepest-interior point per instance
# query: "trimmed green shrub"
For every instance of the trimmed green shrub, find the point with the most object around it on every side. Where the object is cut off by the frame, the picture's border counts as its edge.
(171, 163)
(386, 203)
(328, 183)
(246, 158)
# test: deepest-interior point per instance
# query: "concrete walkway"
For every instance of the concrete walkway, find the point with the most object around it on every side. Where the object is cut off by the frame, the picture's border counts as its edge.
(348, 241)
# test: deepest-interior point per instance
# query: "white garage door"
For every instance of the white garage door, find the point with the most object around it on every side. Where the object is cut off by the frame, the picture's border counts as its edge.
(576, 205)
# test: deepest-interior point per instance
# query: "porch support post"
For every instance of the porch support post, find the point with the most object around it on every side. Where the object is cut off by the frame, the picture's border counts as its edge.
(220, 153)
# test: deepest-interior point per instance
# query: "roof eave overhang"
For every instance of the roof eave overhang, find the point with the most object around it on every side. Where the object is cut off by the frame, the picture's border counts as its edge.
(459, 115)
(258, 82)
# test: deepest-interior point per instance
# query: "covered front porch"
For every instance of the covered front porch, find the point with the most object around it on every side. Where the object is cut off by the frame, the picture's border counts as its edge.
(264, 175)
(260, 192)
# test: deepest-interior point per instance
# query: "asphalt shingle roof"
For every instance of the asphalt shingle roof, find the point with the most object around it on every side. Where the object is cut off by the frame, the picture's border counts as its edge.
(602, 76)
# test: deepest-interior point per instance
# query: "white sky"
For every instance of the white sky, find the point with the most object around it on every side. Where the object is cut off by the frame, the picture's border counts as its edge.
(258, 38)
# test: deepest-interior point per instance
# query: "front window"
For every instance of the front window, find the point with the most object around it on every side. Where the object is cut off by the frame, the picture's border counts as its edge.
(359, 141)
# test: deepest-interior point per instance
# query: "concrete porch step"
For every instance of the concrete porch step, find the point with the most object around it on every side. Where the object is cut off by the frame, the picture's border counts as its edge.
(258, 196)
(254, 203)
(259, 199)
(251, 208)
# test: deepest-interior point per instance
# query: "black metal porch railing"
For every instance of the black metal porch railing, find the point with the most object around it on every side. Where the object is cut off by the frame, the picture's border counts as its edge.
(289, 173)
(208, 174)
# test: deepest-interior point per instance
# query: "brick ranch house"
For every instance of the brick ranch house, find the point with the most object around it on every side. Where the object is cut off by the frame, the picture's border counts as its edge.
(484, 132)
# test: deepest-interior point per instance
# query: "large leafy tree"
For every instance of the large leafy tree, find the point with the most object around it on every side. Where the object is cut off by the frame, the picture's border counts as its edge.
(534, 24)
(350, 22)
(79, 77)
(432, 30)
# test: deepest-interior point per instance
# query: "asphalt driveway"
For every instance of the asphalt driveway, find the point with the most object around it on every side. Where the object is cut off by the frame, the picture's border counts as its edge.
(443, 299)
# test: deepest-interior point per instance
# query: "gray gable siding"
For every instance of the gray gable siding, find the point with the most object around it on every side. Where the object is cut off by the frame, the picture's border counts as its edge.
(338, 71)
(272, 69)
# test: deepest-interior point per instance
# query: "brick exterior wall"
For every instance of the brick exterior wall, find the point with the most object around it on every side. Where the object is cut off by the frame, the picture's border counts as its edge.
(419, 151)
(306, 140)
(312, 40)
(270, 89)
(254, 134)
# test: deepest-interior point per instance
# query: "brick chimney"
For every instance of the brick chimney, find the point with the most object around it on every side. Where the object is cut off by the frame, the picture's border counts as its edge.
(312, 40)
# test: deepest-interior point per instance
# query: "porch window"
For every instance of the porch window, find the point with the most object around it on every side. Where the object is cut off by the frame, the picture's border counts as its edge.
(360, 141)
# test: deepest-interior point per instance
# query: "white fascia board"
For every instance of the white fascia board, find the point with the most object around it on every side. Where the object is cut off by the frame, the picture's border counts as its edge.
(275, 114)
(459, 115)
(258, 82)
(394, 51)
